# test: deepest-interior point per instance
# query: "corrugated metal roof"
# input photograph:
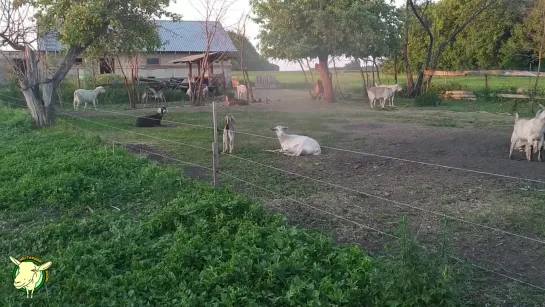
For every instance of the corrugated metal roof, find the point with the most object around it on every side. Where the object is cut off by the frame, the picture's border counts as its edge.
(178, 36)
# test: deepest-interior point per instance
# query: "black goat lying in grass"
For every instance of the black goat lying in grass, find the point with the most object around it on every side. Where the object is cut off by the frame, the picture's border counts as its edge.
(151, 120)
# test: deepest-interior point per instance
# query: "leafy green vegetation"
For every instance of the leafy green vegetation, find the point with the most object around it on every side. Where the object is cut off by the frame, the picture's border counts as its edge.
(176, 241)
(427, 100)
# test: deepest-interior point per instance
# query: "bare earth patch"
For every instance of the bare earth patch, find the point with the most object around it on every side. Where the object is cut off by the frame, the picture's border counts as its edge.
(475, 141)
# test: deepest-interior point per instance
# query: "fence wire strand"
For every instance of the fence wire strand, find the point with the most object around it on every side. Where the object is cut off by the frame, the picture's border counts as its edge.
(317, 180)
(366, 227)
(393, 202)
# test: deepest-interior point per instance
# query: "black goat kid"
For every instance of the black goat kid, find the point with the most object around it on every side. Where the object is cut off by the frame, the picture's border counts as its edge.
(151, 120)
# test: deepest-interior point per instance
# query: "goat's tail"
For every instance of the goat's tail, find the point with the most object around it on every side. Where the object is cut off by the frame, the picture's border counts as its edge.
(516, 117)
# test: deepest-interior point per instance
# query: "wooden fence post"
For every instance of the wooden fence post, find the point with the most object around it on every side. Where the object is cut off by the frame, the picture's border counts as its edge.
(215, 155)
(486, 81)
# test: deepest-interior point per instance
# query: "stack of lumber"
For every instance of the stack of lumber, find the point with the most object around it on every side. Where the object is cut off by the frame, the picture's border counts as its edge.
(459, 95)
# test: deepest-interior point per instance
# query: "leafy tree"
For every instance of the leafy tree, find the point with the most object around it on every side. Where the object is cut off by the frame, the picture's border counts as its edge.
(253, 60)
(77, 25)
(368, 37)
(531, 36)
(300, 29)
(486, 43)
(441, 34)
(122, 41)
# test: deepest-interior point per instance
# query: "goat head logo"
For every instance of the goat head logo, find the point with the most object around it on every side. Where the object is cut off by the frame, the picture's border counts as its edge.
(29, 274)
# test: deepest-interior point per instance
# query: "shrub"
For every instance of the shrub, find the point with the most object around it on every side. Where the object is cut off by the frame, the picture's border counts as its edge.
(429, 99)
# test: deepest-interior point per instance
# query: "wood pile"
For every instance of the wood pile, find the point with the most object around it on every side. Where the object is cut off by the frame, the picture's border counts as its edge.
(180, 84)
(459, 95)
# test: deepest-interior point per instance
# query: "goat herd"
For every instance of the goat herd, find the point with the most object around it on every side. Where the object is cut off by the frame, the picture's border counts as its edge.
(528, 134)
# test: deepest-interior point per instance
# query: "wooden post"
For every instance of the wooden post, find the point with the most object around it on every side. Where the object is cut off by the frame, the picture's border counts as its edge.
(445, 78)
(486, 81)
(77, 73)
(224, 86)
(215, 155)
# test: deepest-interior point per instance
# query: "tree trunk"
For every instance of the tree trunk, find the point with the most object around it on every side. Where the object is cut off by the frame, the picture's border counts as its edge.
(310, 70)
(372, 70)
(540, 56)
(405, 53)
(395, 70)
(363, 81)
(323, 69)
(250, 92)
(42, 111)
(378, 72)
(306, 79)
(43, 115)
(132, 101)
(420, 80)
(534, 94)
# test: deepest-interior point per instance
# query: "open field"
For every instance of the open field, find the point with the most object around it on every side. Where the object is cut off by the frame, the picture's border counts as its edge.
(351, 80)
(371, 190)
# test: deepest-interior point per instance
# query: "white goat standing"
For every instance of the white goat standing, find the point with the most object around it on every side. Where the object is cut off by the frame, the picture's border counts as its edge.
(242, 91)
(296, 145)
(205, 91)
(395, 88)
(378, 93)
(229, 134)
(29, 275)
(520, 145)
(530, 133)
(82, 95)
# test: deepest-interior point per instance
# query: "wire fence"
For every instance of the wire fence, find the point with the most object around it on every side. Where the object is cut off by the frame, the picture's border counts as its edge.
(384, 200)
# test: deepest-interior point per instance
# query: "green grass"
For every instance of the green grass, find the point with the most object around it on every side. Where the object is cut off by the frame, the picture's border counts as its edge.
(178, 242)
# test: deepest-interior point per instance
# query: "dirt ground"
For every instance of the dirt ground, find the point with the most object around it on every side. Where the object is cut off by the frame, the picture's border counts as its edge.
(513, 205)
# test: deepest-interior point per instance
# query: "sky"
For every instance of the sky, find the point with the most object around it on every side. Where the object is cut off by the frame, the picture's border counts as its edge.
(194, 10)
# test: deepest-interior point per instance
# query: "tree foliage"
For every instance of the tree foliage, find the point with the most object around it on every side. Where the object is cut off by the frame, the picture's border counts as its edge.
(300, 29)
(253, 60)
(77, 26)
(489, 42)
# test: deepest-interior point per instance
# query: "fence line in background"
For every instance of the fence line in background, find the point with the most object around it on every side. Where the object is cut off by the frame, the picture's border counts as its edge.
(353, 151)
(307, 205)
(395, 203)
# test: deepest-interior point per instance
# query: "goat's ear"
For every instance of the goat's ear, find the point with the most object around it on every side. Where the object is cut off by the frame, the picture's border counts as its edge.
(284, 128)
(15, 261)
(273, 129)
(45, 266)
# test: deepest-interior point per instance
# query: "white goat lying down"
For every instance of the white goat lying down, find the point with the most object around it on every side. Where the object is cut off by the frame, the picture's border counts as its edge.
(379, 93)
(82, 95)
(529, 133)
(296, 145)
(395, 88)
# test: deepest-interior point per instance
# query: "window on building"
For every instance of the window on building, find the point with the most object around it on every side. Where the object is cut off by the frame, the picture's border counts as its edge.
(107, 66)
(152, 61)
